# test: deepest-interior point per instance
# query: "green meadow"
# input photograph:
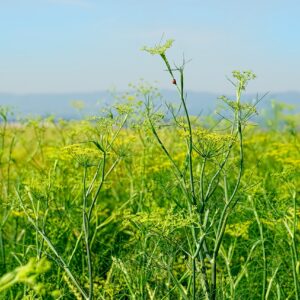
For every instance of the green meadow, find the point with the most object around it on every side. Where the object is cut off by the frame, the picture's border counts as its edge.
(148, 201)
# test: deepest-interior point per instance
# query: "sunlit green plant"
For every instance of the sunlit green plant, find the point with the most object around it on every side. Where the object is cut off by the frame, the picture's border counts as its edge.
(200, 188)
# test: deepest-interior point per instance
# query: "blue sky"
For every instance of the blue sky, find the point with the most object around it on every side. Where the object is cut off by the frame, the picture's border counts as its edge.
(87, 45)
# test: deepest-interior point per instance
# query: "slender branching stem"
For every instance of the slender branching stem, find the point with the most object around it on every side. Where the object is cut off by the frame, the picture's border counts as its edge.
(264, 257)
(85, 224)
(53, 249)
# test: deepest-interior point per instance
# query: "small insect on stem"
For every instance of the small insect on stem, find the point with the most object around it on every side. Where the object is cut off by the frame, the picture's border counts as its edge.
(174, 81)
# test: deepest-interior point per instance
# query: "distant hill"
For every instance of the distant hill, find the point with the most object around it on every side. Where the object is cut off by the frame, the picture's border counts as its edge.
(60, 104)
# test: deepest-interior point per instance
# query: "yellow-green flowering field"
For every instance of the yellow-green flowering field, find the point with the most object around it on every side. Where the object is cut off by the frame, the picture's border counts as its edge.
(143, 201)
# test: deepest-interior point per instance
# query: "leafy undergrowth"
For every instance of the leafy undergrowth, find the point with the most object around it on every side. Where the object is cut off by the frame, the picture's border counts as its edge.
(140, 227)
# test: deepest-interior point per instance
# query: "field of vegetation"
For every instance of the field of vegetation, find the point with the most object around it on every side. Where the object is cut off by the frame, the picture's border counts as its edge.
(148, 201)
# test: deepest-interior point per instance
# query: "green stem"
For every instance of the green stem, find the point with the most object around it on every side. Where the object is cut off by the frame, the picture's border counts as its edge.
(190, 137)
(202, 172)
(294, 250)
(261, 233)
(2, 248)
(53, 249)
(86, 230)
(226, 210)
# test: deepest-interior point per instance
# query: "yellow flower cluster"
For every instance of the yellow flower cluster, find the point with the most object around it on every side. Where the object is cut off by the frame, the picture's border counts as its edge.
(159, 49)
(239, 229)
(82, 152)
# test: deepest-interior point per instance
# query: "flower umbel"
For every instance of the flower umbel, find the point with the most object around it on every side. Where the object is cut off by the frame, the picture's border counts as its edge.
(159, 49)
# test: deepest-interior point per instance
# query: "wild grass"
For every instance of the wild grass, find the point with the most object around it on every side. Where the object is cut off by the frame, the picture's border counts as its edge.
(145, 201)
